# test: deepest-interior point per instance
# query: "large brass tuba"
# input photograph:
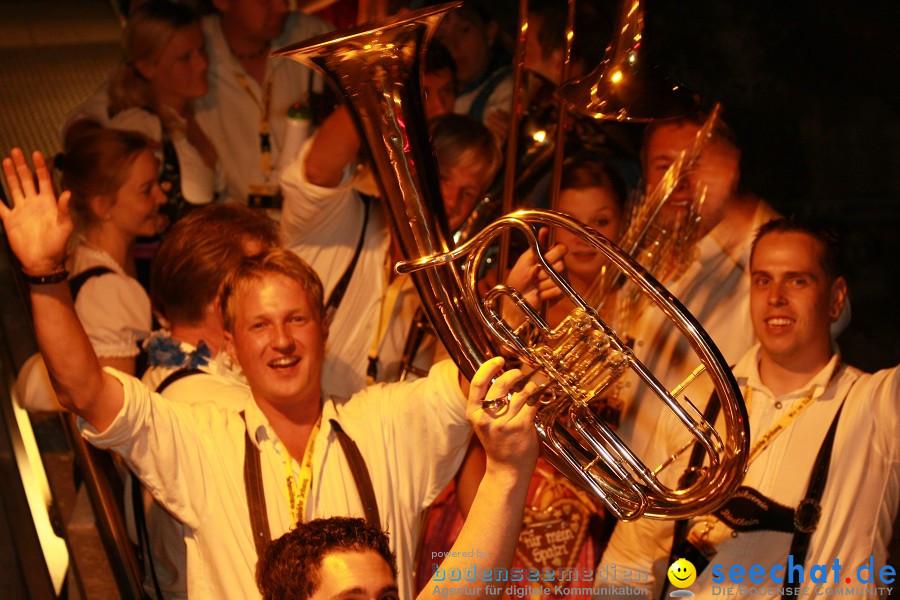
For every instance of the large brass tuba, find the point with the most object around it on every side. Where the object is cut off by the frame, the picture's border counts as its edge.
(376, 68)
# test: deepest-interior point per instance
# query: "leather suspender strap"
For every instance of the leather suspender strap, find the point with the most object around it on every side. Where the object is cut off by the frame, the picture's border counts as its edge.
(256, 495)
(710, 414)
(337, 294)
(137, 491)
(360, 474)
(808, 512)
(174, 376)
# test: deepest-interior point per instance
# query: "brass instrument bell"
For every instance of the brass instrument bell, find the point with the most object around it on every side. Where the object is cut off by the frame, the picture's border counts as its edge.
(623, 87)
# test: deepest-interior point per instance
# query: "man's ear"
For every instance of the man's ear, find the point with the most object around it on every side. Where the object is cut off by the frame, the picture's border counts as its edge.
(214, 312)
(212, 316)
(838, 298)
(229, 347)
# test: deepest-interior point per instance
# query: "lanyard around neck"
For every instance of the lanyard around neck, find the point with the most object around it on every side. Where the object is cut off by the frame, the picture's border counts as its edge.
(297, 487)
(265, 109)
(765, 439)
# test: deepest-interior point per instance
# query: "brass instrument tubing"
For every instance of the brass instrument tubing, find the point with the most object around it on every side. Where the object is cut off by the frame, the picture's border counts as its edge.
(512, 139)
(561, 115)
(376, 70)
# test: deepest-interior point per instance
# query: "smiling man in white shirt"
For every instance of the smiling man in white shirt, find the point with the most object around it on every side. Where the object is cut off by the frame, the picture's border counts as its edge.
(237, 479)
(797, 390)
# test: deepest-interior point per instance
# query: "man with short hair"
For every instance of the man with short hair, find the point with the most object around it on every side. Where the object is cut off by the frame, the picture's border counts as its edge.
(545, 39)
(713, 285)
(236, 478)
(804, 402)
(337, 554)
(188, 269)
(187, 361)
(339, 557)
(438, 81)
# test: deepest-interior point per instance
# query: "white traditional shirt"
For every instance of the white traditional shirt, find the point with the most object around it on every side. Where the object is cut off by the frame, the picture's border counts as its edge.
(231, 111)
(220, 379)
(219, 382)
(859, 502)
(199, 183)
(715, 288)
(191, 457)
(322, 225)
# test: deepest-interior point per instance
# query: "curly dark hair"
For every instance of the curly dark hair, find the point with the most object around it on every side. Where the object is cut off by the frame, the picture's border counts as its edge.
(289, 569)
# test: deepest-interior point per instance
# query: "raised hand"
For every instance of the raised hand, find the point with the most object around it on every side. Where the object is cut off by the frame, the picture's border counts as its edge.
(38, 227)
(503, 421)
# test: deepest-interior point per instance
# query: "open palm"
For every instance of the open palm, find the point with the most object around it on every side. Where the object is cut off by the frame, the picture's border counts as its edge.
(38, 227)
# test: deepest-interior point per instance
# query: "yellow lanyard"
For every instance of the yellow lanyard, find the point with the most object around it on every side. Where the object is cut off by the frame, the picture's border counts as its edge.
(387, 308)
(265, 141)
(782, 423)
(297, 489)
(786, 420)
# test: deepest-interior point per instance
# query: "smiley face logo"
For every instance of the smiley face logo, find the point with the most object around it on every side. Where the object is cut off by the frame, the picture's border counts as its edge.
(682, 573)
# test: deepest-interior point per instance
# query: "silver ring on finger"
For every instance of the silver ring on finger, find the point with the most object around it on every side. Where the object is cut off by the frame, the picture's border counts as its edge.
(497, 403)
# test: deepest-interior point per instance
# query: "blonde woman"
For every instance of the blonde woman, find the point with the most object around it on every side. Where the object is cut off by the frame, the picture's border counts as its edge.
(152, 92)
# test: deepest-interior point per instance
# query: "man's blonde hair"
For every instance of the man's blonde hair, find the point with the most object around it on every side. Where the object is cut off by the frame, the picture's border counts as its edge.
(251, 270)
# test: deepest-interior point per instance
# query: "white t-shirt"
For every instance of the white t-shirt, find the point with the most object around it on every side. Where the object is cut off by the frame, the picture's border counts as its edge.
(219, 383)
(230, 112)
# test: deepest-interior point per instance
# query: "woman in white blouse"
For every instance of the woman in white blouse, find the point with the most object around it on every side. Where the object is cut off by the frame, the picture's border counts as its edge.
(116, 196)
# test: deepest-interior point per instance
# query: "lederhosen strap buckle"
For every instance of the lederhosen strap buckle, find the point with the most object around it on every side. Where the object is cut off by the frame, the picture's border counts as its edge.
(807, 515)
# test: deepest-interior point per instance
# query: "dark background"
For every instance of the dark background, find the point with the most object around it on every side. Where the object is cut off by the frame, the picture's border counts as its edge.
(810, 88)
